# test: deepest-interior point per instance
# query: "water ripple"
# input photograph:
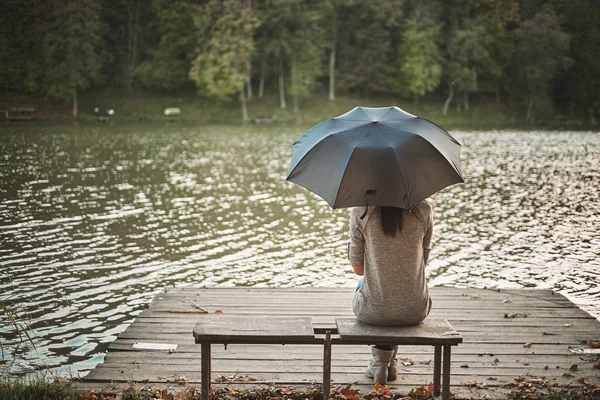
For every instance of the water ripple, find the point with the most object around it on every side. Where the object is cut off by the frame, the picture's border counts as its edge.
(94, 221)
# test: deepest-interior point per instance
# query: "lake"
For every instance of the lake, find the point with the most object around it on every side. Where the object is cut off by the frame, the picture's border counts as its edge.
(95, 220)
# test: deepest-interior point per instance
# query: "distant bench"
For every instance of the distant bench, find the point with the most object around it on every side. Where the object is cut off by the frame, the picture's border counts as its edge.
(172, 112)
(20, 114)
(223, 329)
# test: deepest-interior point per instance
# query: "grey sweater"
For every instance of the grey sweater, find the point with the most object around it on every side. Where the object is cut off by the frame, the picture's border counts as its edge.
(394, 291)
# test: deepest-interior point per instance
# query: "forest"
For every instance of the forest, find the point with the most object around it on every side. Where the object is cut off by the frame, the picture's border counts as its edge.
(534, 57)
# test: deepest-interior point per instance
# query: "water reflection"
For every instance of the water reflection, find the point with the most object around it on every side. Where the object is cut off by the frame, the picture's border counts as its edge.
(95, 221)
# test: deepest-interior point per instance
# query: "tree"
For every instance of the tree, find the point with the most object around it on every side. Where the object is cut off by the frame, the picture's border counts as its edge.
(305, 45)
(578, 88)
(541, 54)
(332, 21)
(169, 62)
(500, 20)
(368, 48)
(226, 42)
(420, 58)
(72, 49)
(465, 49)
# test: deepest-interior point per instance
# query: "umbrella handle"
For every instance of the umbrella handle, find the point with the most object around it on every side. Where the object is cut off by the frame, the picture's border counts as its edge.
(369, 191)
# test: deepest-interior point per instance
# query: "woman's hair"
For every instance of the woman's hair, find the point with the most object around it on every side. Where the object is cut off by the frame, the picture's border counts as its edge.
(391, 220)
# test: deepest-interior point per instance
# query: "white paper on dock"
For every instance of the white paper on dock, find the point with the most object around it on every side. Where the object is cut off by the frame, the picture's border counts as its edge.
(154, 346)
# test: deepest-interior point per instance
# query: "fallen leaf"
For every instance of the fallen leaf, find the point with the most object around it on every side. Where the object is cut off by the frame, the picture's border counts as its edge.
(465, 366)
(595, 344)
(507, 300)
(407, 362)
(528, 344)
(349, 393)
(218, 311)
(382, 390)
(477, 297)
(519, 379)
(430, 388)
(568, 325)
(574, 367)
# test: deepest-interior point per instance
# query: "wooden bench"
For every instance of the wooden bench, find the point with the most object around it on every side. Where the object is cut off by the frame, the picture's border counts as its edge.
(20, 114)
(224, 329)
(172, 112)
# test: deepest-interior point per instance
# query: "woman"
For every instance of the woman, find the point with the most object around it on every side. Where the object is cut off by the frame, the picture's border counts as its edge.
(390, 247)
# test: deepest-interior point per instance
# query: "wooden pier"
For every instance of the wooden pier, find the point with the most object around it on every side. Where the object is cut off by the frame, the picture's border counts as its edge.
(510, 337)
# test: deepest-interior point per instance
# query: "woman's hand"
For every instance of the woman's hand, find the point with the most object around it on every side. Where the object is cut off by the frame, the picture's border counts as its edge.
(358, 269)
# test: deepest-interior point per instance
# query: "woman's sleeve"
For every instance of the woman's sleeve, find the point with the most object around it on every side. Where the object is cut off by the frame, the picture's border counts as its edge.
(356, 247)
(427, 238)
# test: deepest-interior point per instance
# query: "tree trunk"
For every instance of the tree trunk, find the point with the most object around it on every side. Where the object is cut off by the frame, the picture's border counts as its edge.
(466, 101)
(249, 83)
(281, 89)
(448, 100)
(497, 93)
(133, 14)
(75, 104)
(332, 73)
(530, 111)
(261, 84)
(245, 118)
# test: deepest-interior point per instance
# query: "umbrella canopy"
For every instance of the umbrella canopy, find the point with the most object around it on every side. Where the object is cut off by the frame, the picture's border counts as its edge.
(375, 156)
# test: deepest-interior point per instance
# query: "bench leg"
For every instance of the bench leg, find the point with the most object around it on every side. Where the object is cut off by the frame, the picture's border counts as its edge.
(446, 373)
(437, 369)
(327, 366)
(205, 375)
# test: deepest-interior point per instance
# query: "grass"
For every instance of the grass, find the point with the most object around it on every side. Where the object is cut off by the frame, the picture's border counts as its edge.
(37, 389)
(149, 106)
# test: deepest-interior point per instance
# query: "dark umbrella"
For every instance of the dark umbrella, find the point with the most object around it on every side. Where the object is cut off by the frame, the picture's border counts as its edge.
(375, 156)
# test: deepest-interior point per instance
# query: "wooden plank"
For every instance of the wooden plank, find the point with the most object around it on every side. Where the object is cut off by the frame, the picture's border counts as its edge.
(116, 387)
(303, 378)
(430, 331)
(228, 329)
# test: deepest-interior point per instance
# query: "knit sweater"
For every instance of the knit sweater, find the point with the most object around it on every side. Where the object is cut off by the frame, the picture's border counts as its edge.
(394, 291)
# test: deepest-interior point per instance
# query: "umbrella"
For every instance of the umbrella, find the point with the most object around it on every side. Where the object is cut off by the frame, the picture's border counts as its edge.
(375, 156)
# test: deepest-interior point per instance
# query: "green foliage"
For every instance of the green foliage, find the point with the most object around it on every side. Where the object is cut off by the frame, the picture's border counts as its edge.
(36, 389)
(72, 48)
(521, 53)
(169, 63)
(542, 53)
(421, 60)
(226, 47)
(578, 87)
(467, 47)
(368, 45)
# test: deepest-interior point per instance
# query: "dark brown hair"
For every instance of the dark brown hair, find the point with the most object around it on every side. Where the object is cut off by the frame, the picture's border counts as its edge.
(391, 220)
